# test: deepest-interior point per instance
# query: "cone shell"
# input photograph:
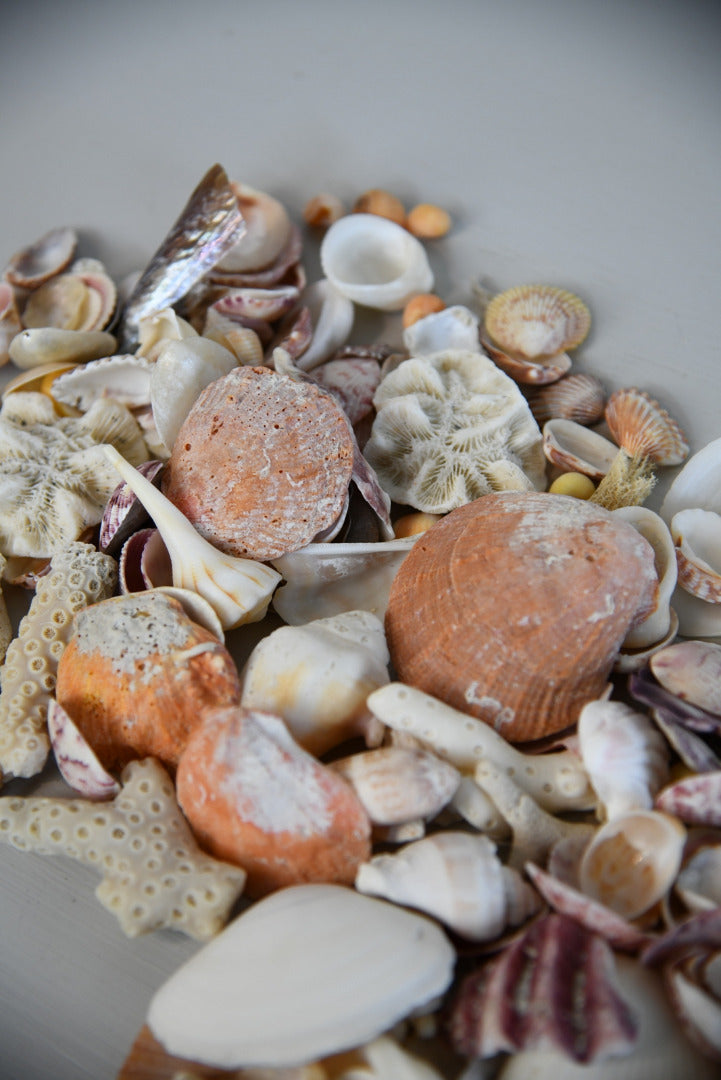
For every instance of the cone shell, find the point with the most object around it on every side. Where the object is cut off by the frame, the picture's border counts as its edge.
(261, 464)
(537, 320)
(642, 427)
(137, 676)
(513, 608)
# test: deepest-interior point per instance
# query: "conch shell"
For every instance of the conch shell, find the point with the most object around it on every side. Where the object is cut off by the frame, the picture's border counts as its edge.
(514, 607)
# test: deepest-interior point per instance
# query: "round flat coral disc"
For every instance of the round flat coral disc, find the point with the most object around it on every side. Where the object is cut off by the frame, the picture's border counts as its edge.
(513, 608)
(262, 463)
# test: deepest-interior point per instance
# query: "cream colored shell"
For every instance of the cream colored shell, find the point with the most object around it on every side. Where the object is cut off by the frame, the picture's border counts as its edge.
(450, 427)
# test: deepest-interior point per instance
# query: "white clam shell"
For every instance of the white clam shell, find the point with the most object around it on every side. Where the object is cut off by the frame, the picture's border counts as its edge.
(697, 536)
(697, 618)
(655, 627)
(306, 972)
(452, 328)
(624, 754)
(182, 369)
(317, 676)
(456, 877)
(375, 262)
(575, 447)
(632, 861)
(697, 485)
(699, 882)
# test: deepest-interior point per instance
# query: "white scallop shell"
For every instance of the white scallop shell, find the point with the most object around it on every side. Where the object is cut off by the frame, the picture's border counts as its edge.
(456, 877)
(305, 972)
(375, 262)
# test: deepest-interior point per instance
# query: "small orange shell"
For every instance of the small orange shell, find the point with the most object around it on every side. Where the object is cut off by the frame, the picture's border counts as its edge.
(138, 675)
(642, 427)
(513, 608)
(533, 321)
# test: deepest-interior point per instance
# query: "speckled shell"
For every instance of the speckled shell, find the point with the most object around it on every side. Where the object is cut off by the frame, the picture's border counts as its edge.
(261, 464)
(513, 608)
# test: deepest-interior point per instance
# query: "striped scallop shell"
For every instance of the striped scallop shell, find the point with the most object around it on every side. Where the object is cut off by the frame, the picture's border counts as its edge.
(641, 426)
(537, 320)
(579, 397)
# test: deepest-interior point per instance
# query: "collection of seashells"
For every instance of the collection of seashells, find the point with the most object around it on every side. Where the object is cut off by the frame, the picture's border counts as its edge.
(454, 808)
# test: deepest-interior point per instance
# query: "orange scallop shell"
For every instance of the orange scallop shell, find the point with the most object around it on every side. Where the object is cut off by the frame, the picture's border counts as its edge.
(537, 320)
(642, 427)
(513, 608)
(261, 464)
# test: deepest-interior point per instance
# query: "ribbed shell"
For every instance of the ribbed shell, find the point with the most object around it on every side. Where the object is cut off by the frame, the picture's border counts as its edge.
(579, 397)
(513, 608)
(537, 320)
(641, 426)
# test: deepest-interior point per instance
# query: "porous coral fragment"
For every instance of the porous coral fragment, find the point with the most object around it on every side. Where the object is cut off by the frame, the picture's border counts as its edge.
(78, 576)
(154, 874)
(54, 476)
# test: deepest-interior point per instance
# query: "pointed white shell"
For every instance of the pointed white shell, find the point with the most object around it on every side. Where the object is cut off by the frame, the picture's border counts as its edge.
(375, 262)
(306, 972)
(456, 877)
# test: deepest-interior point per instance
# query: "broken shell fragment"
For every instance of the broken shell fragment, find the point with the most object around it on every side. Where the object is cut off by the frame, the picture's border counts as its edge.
(239, 590)
(451, 427)
(633, 860)
(138, 675)
(375, 262)
(317, 677)
(255, 798)
(642, 427)
(358, 967)
(76, 760)
(123, 377)
(575, 581)
(458, 879)
(553, 987)
(452, 328)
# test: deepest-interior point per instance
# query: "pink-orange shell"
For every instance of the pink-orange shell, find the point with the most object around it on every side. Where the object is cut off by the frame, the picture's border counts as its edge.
(641, 426)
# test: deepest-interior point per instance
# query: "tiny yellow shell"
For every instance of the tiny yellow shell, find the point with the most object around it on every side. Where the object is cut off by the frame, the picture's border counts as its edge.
(413, 524)
(573, 483)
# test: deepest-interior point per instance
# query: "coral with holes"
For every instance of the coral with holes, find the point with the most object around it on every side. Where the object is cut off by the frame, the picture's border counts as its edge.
(154, 874)
(78, 576)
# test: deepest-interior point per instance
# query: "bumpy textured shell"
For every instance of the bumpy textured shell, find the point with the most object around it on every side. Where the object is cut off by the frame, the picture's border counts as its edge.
(513, 608)
(261, 464)
(138, 674)
(450, 426)
(78, 576)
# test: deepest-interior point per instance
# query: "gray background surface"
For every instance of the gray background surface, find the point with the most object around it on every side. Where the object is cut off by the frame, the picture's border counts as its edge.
(575, 142)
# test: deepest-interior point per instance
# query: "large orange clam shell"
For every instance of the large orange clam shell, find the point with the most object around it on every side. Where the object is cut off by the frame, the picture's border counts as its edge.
(513, 608)
(261, 464)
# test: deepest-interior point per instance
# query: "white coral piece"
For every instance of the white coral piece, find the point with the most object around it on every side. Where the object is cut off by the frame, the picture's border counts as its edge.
(154, 874)
(54, 476)
(79, 575)
(450, 427)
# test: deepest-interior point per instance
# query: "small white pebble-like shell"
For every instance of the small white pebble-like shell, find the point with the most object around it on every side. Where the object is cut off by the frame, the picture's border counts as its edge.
(78, 576)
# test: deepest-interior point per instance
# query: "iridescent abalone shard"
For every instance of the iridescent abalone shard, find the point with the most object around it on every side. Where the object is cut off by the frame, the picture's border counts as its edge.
(513, 608)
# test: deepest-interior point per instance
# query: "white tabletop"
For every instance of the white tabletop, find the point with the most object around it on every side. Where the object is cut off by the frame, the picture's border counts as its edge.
(575, 142)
